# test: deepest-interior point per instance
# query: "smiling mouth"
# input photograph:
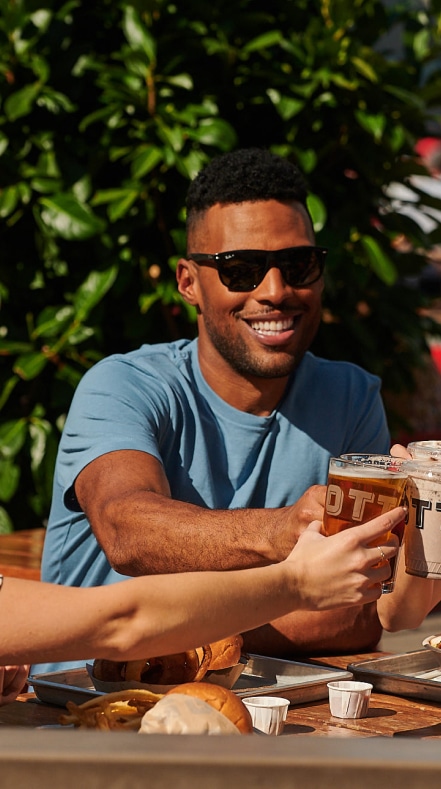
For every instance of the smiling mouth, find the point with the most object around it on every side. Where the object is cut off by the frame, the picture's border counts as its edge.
(273, 328)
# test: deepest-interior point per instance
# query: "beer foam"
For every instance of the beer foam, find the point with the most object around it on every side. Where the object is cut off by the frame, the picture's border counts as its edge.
(366, 472)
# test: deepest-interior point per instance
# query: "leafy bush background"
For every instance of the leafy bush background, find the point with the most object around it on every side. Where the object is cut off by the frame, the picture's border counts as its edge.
(109, 108)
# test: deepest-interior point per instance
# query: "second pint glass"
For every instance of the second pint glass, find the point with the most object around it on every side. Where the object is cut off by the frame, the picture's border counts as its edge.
(361, 487)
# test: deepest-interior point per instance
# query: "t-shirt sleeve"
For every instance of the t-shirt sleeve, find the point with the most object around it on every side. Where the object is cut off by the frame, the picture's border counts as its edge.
(116, 407)
(366, 428)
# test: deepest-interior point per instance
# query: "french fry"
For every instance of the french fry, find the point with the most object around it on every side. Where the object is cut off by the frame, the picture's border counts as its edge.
(123, 709)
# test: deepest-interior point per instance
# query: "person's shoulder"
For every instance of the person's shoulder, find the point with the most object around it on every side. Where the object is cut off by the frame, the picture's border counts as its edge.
(154, 354)
(336, 369)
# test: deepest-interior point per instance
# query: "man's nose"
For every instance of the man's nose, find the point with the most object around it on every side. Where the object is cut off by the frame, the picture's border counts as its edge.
(273, 286)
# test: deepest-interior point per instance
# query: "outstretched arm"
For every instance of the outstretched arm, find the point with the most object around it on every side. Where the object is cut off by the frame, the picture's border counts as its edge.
(157, 615)
(126, 498)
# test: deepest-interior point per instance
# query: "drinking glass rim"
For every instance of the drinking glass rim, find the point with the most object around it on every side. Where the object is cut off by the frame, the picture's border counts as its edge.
(397, 466)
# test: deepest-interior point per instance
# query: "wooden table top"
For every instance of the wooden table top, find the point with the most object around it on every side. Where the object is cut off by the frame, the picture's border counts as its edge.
(20, 553)
(388, 716)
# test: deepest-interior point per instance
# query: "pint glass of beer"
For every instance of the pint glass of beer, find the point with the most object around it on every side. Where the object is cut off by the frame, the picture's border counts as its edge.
(361, 487)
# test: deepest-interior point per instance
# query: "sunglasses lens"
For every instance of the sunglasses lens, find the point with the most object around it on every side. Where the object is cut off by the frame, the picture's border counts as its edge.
(300, 267)
(244, 272)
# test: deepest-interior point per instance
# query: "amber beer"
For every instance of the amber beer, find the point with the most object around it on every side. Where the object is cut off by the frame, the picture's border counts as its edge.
(357, 492)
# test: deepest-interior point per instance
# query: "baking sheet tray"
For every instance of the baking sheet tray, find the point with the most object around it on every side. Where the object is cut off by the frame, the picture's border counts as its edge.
(412, 674)
(262, 676)
(298, 682)
(62, 686)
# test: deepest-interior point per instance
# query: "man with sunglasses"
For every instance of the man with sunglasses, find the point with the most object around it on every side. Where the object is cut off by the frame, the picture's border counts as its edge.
(213, 453)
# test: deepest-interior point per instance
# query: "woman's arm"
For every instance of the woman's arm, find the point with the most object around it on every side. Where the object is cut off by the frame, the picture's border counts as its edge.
(410, 602)
(156, 615)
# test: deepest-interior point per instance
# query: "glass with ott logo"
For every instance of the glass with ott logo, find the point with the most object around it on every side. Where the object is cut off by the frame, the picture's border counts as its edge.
(361, 487)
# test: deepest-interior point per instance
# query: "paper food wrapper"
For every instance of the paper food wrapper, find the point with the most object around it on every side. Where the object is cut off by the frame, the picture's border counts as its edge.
(180, 714)
(226, 677)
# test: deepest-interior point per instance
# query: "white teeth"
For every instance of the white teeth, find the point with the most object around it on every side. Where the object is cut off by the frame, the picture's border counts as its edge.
(272, 327)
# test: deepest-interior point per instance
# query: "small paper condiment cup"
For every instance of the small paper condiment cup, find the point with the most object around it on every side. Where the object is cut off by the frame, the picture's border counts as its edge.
(268, 713)
(349, 699)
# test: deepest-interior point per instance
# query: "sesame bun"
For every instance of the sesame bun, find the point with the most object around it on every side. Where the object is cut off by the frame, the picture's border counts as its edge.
(222, 700)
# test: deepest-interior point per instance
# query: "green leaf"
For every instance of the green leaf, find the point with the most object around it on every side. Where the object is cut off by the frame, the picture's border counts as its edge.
(405, 96)
(43, 451)
(12, 437)
(286, 106)
(146, 158)
(137, 34)
(30, 365)
(78, 335)
(146, 301)
(9, 198)
(92, 291)
(318, 212)
(54, 101)
(21, 102)
(8, 388)
(6, 525)
(52, 321)
(119, 208)
(268, 39)
(9, 479)
(39, 430)
(12, 347)
(380, 263)
(374, 124)
(119, 201)
(4, 142)
(365, 68)
(172, 136)
(70, 219)
(215, 132)
(181, 81)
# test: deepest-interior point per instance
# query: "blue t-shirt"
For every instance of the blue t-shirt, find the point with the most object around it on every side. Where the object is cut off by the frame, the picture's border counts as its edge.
(155, 400)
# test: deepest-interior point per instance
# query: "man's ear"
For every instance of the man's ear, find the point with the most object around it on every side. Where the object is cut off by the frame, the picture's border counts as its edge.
(187, 281)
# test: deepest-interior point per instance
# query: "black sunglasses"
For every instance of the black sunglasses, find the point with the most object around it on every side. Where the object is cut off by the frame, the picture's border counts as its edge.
(244, 269)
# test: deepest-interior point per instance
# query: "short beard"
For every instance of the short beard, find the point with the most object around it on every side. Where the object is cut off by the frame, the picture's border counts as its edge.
(276, 364)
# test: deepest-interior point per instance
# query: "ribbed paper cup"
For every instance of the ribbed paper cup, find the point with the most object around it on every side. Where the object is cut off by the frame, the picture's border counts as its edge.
(349, 699)
(268, 713)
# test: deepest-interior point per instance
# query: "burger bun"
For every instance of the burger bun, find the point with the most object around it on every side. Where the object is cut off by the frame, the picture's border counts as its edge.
(221, 699)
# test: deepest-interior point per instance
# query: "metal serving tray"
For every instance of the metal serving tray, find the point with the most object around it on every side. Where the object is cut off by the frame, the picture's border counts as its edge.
(298, 682)
(413, 674)
(62, 686)
(262, 676)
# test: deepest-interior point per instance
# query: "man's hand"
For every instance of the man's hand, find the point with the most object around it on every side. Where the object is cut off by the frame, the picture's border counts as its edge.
(398, 451)
(12, 682)
(309, 507)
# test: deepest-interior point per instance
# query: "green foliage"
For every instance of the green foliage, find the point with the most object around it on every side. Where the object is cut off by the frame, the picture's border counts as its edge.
(107, 109)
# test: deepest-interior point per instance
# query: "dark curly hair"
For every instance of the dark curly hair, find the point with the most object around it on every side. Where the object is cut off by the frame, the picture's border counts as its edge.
(245, 175)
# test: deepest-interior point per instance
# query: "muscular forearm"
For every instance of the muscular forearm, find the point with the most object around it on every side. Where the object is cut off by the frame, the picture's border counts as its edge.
(155, 534)
(127, 500)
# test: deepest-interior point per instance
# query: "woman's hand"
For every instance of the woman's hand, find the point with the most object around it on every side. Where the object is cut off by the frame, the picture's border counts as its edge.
(344, 569)
(12, 682)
